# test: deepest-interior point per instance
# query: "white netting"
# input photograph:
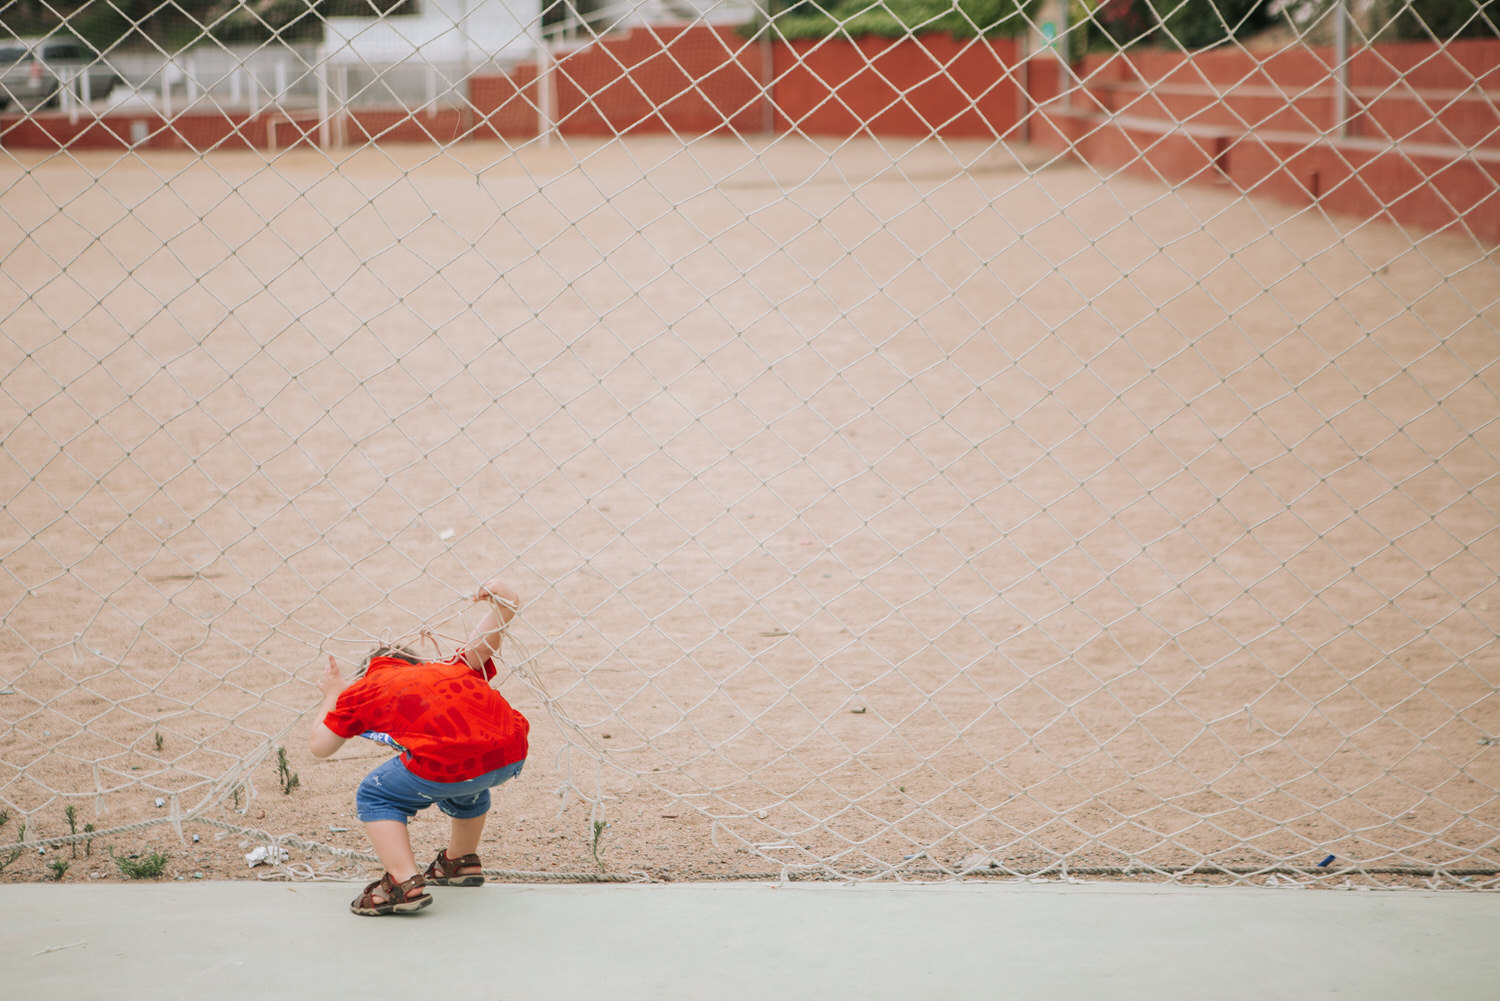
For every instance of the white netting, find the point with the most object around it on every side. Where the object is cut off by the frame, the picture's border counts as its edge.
(1057, 439)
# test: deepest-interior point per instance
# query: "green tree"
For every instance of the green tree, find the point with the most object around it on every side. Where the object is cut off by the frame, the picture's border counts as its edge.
(1202, 24)
(899, 18)
(1439, 20)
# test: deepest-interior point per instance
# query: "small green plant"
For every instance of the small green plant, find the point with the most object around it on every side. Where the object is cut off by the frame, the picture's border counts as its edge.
(72, 814)
(88, 844)
(160, 743)
(15, 852)
(4, 817)
(235, 795)
(59, 866)
(284, 773)
(147, 867)
(599, 826)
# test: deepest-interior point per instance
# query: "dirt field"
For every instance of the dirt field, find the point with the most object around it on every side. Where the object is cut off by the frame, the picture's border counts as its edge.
(878, 507)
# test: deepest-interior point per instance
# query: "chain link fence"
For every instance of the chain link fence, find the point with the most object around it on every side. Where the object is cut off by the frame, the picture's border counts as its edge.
(982, 440)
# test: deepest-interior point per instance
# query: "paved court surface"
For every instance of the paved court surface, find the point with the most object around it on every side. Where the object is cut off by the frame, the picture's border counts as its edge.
(231, 940)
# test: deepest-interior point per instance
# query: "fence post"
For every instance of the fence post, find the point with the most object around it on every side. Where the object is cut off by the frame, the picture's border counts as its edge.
(767, 77)
(544, 115)
(343, 94)
(1341, 68)
(69, 95)
(322, 76)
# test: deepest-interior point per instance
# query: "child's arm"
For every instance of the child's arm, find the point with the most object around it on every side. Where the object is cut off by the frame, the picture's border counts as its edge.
(502, 604)
(323, 741)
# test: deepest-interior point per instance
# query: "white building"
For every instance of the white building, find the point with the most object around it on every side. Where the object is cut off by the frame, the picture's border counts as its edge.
(450, 33)
(476, 33)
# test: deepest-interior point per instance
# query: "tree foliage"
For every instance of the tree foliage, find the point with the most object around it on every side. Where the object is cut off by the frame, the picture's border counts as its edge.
(1178, 24)
(899, 18)
(1439, 20)
(172, 26)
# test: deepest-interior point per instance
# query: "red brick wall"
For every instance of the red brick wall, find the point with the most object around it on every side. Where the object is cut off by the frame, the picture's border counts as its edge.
(1421, 147)
(675, 79)
(506, 105)
(908, 87)
(120, 130)
(701, 79)
(1263, 122)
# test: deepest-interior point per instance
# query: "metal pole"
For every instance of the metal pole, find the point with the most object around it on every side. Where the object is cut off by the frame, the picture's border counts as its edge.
(465, 88)
(1064, 44)
(1023, 96)
(544, 115)
(767, 48)
(1341, 68)
(544, 94)
(344, 98)
(323, 97)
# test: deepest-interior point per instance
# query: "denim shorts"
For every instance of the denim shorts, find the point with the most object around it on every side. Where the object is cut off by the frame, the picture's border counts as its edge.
(391, 792)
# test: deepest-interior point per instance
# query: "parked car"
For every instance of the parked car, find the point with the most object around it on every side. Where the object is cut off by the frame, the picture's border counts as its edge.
(34, 72)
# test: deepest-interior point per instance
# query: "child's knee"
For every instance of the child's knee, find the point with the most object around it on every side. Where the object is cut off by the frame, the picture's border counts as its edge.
(374, 807)
(467, 807)
(378, 797)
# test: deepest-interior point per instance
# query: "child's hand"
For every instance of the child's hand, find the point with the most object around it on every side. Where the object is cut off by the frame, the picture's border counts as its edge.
(497, 589)
(332, 682)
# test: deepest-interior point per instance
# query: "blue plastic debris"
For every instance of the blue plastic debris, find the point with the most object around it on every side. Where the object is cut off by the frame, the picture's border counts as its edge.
(1325, 862)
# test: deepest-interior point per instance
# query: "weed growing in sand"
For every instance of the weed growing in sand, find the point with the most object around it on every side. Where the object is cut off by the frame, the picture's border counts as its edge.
(148, 867)
(284, 773)
(15, 852)
(72, 814)
(599, 826)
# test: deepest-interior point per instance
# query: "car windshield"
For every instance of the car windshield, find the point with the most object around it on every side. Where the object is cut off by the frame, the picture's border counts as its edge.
(11, 54)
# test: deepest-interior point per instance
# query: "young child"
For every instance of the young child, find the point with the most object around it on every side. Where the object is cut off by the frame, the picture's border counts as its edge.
(457, 738)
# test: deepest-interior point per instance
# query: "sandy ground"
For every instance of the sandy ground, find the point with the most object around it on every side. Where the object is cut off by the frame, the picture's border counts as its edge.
(877, 506)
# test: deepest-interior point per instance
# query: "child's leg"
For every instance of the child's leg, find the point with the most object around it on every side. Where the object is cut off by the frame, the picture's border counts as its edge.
(385, 801)
(467, 810)
(392, 843)
(464, 839)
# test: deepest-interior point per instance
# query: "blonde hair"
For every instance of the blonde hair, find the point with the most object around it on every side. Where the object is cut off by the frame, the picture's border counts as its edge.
(397, 652)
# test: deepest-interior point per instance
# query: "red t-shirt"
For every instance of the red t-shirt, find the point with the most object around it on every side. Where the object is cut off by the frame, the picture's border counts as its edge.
(453, 725)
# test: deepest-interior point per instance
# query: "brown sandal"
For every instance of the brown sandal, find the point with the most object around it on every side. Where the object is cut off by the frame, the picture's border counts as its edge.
(444, 870)
(406, 897)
